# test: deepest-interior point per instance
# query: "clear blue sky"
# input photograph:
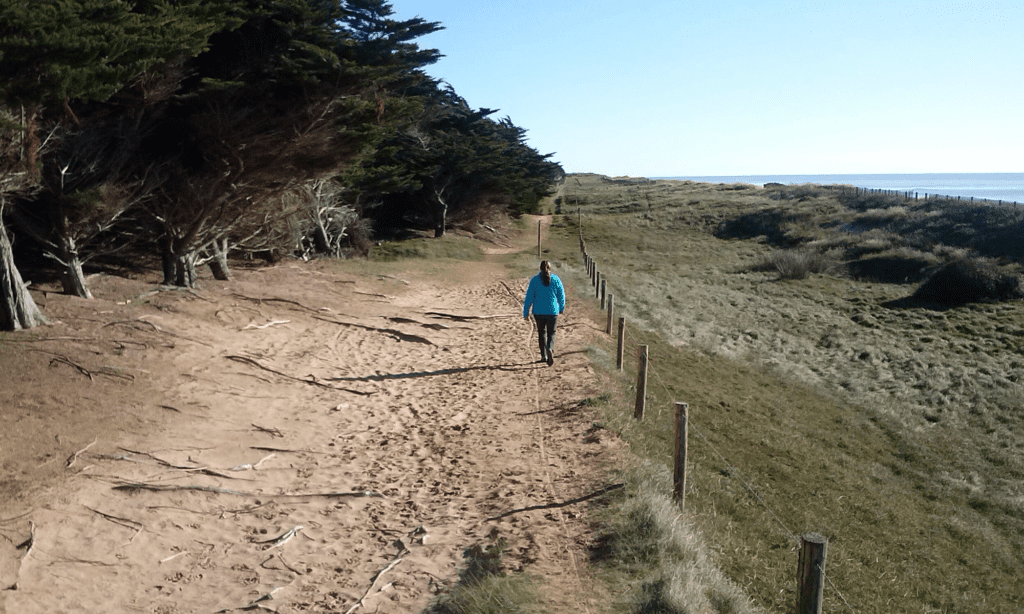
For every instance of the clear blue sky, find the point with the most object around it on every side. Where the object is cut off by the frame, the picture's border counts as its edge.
(731, 87)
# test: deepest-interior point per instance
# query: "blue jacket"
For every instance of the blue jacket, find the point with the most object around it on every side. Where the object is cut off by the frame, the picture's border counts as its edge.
(545, 300)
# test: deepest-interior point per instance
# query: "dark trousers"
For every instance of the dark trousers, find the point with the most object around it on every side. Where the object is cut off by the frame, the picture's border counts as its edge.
(546, 334)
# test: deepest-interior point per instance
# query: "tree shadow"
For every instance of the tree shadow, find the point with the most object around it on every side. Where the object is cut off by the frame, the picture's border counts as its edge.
(524, 366)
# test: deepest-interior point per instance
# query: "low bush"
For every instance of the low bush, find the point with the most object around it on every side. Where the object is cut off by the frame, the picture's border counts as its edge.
(801, 262)
(970, 281)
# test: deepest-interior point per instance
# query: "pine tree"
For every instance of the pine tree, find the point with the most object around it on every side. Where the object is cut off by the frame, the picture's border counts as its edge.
(55, 54)
(272, 105)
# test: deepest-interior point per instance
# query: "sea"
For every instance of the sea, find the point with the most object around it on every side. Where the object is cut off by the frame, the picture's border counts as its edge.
(1006, 187)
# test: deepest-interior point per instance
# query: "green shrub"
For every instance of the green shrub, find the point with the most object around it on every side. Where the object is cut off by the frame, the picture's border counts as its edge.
(969, 281)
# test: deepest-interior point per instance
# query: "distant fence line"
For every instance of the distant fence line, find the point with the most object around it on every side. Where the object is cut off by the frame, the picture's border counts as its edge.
(916, 196)
(813, 547)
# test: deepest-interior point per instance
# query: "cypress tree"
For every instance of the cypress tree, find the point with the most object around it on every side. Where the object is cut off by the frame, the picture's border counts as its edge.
(57, 54)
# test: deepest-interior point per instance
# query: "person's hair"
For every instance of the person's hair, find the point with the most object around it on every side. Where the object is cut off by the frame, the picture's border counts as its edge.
(545, 272)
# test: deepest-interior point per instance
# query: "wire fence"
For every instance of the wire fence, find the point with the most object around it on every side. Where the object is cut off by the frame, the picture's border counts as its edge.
(651, 368)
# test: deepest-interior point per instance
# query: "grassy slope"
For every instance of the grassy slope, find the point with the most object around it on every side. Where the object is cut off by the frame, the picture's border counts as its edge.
(893, 431)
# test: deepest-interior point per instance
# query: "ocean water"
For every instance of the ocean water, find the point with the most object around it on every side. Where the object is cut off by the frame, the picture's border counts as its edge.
(1007, 187)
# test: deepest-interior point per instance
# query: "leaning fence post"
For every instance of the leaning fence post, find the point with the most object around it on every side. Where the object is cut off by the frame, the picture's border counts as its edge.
(811, 573)
(641, 385)
(611, 310)
(679, 473)
(622, 341)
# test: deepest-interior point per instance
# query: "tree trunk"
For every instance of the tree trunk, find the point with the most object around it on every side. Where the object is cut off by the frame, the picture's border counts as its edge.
(17, 308)
(219, 264)
(167, 258)
(442, 219)
(185, 265)
(73, 279)
(321, 241)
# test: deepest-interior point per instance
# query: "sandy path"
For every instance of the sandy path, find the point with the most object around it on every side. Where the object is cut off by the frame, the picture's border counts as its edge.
(277, 415)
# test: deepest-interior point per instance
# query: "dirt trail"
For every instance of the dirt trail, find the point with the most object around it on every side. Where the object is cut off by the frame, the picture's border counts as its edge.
(287, 436)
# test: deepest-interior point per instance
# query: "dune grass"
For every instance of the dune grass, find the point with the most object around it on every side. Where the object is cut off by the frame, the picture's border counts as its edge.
(484, 587)
(821, 404)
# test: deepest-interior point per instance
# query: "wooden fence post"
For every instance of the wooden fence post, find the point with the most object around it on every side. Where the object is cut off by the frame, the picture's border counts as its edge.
(622, 342)
(604, 290)
(641, 385)
(611, 310)
(597, 285)
(538, 239)
(811, 573)
(679, 473)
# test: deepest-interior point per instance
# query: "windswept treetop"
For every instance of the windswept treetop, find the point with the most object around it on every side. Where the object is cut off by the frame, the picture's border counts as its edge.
(60, 50)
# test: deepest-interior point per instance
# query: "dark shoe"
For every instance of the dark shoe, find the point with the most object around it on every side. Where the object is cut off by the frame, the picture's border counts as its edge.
(551, 359)
(543, 360)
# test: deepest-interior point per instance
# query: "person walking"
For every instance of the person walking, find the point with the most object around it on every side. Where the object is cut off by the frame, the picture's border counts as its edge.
(547, 298)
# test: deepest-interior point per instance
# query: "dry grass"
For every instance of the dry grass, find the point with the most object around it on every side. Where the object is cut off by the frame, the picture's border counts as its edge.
(894, 428)
(801, 262)
(669, 568)
(484, 587)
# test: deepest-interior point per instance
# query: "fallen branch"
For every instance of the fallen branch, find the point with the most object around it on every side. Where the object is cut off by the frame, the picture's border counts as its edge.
(251, 465)
(395, 278)
(297, 451)
(132, 486)
(173, 556)
(312, 382)
(549, 506)
(173, 289)
(285, 563)
(255, 605)
(383, 296)
(282, 539)
(266, 429)
(161, 461)
(114, 372)
(274, 300)
(158, 329)
(124, 522)
(65, 360)
(116, 322)
(332, 495)
(13, 518)
(74, 457)
(267, 325)
(395, 561)
(30, 542)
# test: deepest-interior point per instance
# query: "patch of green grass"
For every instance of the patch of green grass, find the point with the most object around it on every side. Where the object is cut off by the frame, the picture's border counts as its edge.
(450, 246)
(485, 588)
